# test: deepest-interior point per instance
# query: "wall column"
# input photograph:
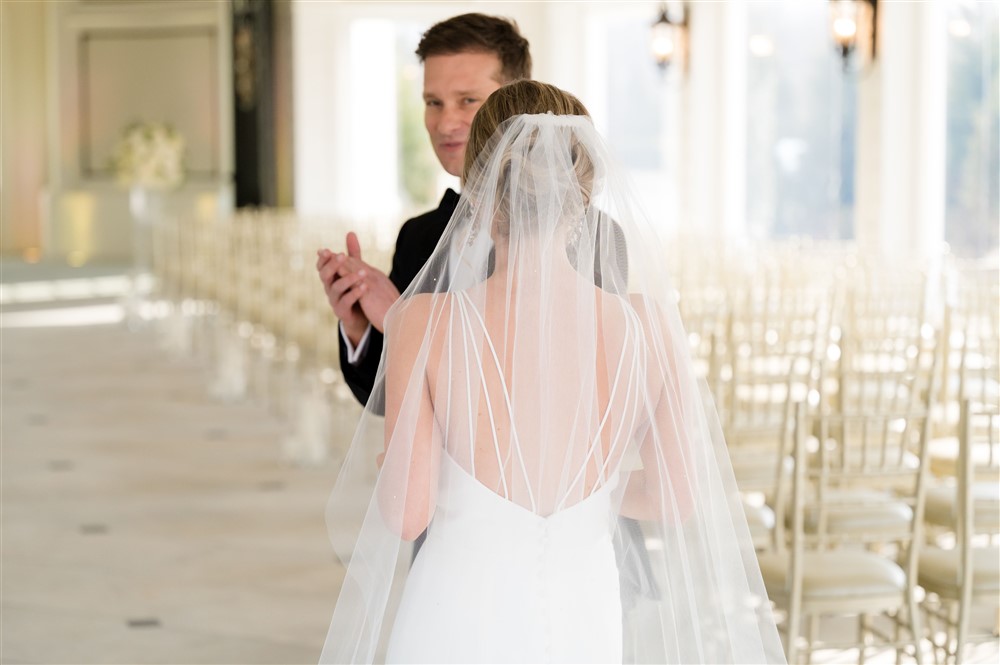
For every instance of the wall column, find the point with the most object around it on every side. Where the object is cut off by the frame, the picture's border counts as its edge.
(24, 101)
(902, 102)
(712, 187)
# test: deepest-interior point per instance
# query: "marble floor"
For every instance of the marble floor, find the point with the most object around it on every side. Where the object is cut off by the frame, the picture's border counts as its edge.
(144, 521)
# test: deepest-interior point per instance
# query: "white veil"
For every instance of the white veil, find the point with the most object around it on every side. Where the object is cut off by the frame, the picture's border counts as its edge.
(540, 352)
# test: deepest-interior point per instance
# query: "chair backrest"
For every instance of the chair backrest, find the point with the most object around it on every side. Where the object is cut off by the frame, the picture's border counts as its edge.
(704, 311)
(772, 360)
(853, 461)
(890, 374)
(979, 367)
(857, 466)
(978, 468)
(872, 425)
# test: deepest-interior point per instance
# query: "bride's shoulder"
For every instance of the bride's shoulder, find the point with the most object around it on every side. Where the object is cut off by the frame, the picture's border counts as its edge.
(652, 315)
(421, 301)
(428, 303)
(633, 305)
(417, 307)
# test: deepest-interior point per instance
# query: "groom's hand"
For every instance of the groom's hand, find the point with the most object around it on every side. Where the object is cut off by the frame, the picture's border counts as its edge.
(377, 292)
(377, 297)
(344, 289)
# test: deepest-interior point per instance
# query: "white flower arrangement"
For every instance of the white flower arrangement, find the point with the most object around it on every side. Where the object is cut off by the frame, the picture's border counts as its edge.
(149, 155)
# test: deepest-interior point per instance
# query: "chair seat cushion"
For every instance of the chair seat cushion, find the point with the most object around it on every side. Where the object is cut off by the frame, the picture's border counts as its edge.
(939, 569)
(754, 466)
(759, 516)
(943, 454)
(859, 511)
(942, 506)
(835, 574)
(760, 519)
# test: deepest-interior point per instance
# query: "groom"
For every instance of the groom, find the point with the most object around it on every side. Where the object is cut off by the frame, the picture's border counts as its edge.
(465, 59)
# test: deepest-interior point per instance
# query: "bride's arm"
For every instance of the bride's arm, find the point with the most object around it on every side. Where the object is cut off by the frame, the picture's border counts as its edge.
(409, 471)
(663, 488)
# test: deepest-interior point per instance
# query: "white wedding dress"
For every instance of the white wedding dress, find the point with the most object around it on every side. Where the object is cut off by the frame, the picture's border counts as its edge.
(496, 582)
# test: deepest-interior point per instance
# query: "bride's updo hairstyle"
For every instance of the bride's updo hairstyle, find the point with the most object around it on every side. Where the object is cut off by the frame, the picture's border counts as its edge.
(523, 97)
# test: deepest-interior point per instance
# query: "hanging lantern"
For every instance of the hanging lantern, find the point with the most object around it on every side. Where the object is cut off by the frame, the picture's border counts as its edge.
(853, 27)
(668, 38)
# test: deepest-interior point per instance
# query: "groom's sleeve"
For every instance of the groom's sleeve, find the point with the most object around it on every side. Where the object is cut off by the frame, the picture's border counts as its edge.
(620, 251)
(355, 353)
(360, 376)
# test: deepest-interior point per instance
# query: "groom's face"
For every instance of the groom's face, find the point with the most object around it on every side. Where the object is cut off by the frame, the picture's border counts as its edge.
(455, 86)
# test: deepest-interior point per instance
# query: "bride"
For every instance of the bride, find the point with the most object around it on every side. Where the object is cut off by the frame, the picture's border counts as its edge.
(542, 424)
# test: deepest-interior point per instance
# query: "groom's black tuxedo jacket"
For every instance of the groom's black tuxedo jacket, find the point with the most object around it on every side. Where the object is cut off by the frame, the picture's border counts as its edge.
(416, 242)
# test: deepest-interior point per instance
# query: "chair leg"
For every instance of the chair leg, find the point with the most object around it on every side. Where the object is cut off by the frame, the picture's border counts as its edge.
(939, 652)
(962, 625)
(915, 628)
(951, 650)
(862, 637)
(812, 635)
(897, 638)
(791, 648)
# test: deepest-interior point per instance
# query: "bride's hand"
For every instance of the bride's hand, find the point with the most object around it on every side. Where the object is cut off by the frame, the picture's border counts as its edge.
(380, 460)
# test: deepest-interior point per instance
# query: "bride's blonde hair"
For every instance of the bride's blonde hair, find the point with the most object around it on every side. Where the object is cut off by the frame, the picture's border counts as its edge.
(522, 97)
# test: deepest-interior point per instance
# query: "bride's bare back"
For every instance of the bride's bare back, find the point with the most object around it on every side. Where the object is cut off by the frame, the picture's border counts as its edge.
(550, 417)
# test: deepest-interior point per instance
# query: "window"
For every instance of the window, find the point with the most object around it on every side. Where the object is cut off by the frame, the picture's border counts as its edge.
(801, 111)
(419, 170)
(636, 107)
(971, 210)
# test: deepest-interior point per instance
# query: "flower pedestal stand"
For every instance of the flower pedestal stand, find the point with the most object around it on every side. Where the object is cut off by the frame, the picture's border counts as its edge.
(146, 208)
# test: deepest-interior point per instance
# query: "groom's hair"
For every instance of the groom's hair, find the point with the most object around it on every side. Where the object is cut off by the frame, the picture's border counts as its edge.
(479, 33)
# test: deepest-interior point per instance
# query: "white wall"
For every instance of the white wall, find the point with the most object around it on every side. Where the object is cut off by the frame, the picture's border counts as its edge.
(108, 65)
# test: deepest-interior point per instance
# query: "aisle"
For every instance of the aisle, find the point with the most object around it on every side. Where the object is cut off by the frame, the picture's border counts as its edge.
(145, 522)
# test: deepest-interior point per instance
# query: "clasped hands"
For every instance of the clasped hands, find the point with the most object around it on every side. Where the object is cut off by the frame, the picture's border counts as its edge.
(358, 293)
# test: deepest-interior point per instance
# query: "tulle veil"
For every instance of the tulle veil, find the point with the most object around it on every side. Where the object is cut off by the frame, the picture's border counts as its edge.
(541, 351)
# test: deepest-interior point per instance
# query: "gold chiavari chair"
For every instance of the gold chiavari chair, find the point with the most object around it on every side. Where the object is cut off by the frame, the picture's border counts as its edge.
(705, 312)
(902, 381)
(772, 361)
(872, 421)
(967, 573)
(971, 364)
(855, 571)
(228, 355)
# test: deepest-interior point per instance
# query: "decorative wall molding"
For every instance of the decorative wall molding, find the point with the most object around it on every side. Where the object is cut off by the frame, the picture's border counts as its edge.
(114, 63)
(101, 51)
